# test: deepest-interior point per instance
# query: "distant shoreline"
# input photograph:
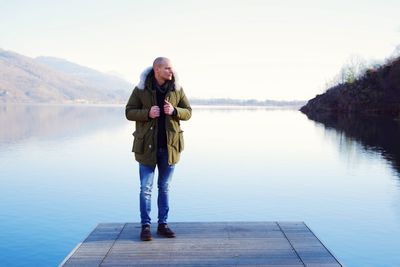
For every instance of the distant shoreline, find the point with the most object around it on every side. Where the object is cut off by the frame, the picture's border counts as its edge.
(196, 102)
(197, 106)
(244, 107)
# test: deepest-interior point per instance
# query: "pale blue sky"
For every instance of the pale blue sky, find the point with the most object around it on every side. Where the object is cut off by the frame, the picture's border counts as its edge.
(237, 49)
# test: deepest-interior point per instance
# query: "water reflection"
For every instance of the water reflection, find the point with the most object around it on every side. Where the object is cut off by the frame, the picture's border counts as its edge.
(64, 169)
(377, 134)
(47, 122)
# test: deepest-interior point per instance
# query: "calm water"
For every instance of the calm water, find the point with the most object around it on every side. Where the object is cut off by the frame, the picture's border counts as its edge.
(64, 169)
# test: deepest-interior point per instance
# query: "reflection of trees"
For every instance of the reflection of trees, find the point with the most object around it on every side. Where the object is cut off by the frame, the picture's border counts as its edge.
(379, 134)
(20, 122)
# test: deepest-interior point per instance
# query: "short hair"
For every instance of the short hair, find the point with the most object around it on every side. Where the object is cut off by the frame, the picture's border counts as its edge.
(160, 61)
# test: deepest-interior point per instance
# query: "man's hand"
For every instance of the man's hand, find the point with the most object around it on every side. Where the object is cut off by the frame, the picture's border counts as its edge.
(154, 112)
(168, 108)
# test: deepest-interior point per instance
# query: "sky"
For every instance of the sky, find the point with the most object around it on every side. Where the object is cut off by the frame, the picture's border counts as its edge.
(247, 49)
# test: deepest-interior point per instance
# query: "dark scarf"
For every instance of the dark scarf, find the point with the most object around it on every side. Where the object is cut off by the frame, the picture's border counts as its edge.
(161, 92)
(168, 85)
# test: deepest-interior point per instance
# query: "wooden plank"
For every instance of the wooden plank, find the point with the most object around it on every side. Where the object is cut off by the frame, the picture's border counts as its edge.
(204, 244)
(309, 248)
(95, 247)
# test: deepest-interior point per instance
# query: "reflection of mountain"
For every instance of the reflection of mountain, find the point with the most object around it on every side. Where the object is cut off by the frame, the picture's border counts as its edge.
(51, 80)
(379, 134)
(47, 122)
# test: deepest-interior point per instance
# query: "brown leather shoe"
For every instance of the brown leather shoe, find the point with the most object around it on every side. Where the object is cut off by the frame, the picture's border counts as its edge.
(145, 235)
(165, 231)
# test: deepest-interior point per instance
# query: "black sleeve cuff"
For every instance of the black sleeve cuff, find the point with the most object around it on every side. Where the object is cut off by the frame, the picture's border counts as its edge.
(174, 113)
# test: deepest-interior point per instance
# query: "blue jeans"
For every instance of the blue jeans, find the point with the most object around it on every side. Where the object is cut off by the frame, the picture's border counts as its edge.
(146, 173)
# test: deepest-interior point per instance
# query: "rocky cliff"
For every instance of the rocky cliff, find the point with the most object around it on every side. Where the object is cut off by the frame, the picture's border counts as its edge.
(377, 92)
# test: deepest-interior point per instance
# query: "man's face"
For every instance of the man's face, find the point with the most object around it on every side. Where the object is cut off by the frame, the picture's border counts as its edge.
(164, 71)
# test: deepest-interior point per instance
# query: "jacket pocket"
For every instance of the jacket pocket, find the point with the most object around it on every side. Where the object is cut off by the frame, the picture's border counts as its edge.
(181, 142)
(138, 143)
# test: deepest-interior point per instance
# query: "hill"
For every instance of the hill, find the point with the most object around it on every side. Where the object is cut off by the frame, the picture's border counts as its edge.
(377, 92)
(52, 80)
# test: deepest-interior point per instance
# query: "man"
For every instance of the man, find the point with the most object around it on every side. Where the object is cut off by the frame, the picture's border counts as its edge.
(157, 104)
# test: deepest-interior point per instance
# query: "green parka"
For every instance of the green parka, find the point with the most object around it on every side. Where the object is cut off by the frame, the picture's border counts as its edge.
(137, 109)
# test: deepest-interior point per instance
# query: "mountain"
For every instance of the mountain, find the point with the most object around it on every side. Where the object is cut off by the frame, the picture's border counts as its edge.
(90, 76)
(52, 80)
(377, 92)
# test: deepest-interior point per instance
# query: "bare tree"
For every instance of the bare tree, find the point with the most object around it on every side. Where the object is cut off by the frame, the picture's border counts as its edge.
(395, 55)
(353, 69)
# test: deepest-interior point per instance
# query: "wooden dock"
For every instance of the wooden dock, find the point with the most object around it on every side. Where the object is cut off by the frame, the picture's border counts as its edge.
(204, 244)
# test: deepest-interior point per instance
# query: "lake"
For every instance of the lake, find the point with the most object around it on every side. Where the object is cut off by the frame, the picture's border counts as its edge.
(64, 169)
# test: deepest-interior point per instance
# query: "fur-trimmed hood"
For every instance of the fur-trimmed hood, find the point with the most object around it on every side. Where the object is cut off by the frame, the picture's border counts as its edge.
(143, 78)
